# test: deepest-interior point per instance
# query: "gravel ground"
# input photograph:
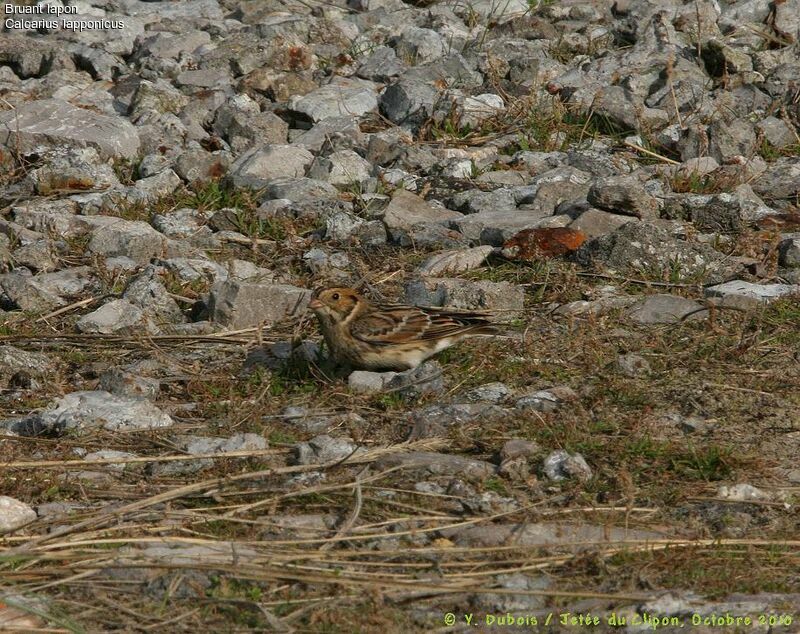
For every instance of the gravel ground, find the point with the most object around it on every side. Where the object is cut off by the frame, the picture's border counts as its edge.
(617, 183)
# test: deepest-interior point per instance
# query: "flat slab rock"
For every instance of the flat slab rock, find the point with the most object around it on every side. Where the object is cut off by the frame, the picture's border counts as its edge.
(438, 464)
(504, 299)
(455, 261)
(406, 210)
(572, 537)
(749, 290)
(665, 309)
(14, 514)
(56, 123)
(82, 411)
(238, 304)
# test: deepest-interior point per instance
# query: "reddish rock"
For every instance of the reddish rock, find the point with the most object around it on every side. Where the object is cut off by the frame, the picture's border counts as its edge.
(551, 242)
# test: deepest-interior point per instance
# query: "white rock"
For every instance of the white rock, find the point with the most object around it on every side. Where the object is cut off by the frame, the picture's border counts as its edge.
(456, 261)
(363, 382)
(749, 290)
(14, 514)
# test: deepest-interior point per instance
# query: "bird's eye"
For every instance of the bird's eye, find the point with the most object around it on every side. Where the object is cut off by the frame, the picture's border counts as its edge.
(335, 297)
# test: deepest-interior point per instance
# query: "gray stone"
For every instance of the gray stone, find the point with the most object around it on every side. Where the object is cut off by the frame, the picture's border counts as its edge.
(156, 98)
(642, 248)
(29, 57)
(409, 102)
(115, 317)
(13, 360)
(26, 293)
(69, 283)
(488, 393)
(385, 146)
(14, 514)
(424, 380)
(146, 291)
(196, 164)
(502, 177)
(420, 46)
(125, 383)
(243, 128)
(451, 262)
(742, 493)
(787, 20)
(246, 271)
(473, 111)
(561, 465)
(633, 365)
(538, 401)
(518, 448)
(237, 304)
(257, 167)
(511, 603)
(756, 293)
(130, 238)
(201, 445)
(699, 166)
(342, 97)
(594, 222)
(303, 419)
(363, 382)
(83, 411)
(324, 449)
(436, 464)
(301, 190)
(331, 265)
(37, 256)
(158, 186)
(623, 195)
(110, 454)
(777, 132)
(430, 236)
(781, 181)
(153, 164)
(19, 233)
(406, 210)
(382, 65)
(55, 123)
(789, 250)
(723, 213)
(495, 227)
(573, 537)
(343, 168)
(665, 309)
(194, 269)
(437, 420)
(335, 133)
(474, 201)
(185, 224)
(282, 355)
(733, 138)
(72, 169)
(506, 300)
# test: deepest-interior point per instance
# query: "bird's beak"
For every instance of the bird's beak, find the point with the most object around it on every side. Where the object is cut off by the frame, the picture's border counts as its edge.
(315, 304)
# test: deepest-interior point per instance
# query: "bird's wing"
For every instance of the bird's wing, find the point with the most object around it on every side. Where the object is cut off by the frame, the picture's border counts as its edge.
(405, 324)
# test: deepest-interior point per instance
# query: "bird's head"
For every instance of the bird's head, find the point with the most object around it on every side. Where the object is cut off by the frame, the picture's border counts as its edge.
(335, 304)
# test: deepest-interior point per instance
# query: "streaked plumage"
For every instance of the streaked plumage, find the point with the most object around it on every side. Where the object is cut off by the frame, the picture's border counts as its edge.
(389, 337)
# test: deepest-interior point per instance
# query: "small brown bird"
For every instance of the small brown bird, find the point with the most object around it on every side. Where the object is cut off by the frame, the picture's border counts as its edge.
(389, 337)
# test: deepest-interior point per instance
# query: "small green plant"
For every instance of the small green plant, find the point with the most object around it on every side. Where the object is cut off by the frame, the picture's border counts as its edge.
(708, 463)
